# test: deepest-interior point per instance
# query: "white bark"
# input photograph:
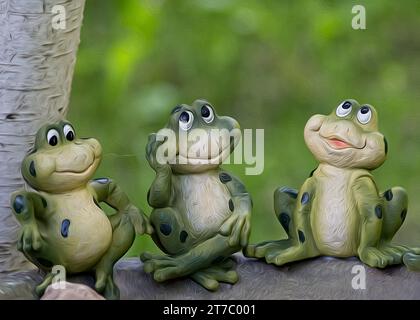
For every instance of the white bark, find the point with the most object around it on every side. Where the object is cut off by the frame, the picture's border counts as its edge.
(36, 70)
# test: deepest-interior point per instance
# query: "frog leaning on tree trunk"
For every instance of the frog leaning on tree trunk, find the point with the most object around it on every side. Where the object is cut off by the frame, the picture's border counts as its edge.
(62, 221)
(339, 211)
(201, 213)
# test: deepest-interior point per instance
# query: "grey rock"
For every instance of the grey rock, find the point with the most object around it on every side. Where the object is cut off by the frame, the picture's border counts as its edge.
(320, 278)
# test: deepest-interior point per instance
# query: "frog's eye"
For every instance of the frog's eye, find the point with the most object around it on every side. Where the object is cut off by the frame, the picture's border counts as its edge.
(186, 119)
(69, 132)
(52, 137)
(344, 109)
(207, 113)
(364, 115)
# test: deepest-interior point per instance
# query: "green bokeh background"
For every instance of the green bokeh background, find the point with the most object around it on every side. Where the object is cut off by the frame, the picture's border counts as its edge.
(269, 64)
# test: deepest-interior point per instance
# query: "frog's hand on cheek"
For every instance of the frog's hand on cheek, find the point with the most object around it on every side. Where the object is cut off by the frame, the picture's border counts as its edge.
(238, 226)
(153, 144)
(160, 192)
(27, 208)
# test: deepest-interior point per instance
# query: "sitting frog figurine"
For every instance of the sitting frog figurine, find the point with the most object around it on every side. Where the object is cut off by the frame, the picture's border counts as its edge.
(201, 213)
(338, 211)
(62, 222)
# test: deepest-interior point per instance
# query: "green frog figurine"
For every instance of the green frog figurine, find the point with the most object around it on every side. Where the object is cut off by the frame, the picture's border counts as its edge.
(339, 211)
(201, 213)
(62, 221)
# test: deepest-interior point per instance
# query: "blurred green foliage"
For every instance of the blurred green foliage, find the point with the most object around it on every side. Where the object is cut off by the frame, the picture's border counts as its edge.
(270, 64)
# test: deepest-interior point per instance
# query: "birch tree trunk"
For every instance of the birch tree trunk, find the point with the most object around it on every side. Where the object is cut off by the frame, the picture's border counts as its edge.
(36, 69)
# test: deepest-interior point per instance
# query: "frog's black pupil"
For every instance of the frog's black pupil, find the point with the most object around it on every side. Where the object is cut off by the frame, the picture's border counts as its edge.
(53, 141)
(205, 112)
(70, 136)
(364, 110)
(346, 105)
(184, 117)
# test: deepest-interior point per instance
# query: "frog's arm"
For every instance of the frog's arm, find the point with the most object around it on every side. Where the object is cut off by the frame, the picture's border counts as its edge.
(238, 225)
(27, 208)
(106, 190)
(371, 213)
(160, 192)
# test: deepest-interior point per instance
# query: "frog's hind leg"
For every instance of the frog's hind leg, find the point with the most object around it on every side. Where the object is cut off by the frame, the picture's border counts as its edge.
(122, 238)
(395, 208)
(172, 237)
(396, 205)
(284, 206)
(211, 277)
(395, 202)
(170, 233)
(293, 212)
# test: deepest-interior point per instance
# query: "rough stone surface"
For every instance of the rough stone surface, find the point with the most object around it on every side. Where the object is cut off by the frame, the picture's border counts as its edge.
(321, 278)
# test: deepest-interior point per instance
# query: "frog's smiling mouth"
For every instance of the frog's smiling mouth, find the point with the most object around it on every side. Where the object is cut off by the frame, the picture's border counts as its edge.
(78, 172)
(339, 143)
(218, 159)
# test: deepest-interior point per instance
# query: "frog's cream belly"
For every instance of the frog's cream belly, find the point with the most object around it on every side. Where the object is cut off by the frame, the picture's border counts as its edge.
(334, 220)
(206, 201)
(88, 236)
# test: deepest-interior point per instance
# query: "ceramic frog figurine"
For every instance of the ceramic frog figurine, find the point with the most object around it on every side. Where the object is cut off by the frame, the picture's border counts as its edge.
(201, 213)
(62, 221)
(339, 211)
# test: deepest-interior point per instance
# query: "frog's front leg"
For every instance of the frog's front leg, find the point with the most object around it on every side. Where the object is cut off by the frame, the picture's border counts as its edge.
(125, 222)
(27, 208)
(381, 219)
(293, 212)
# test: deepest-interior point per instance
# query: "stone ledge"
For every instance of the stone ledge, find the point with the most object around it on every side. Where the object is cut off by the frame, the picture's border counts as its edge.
(321, 278)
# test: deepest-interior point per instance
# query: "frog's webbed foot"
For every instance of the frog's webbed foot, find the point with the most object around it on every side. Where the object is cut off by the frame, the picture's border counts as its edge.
(40, 289)
(211, 277)
(104, 280)
(261, 249)
(163, 267)
(281, 252)
(105, 283)
(382, 256)
(111, 291)
(103, 271)
(412, 260)
(279, 256)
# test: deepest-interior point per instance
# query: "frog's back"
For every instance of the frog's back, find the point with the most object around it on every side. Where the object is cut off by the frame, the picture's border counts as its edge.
(78, 233)
(203, 199)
